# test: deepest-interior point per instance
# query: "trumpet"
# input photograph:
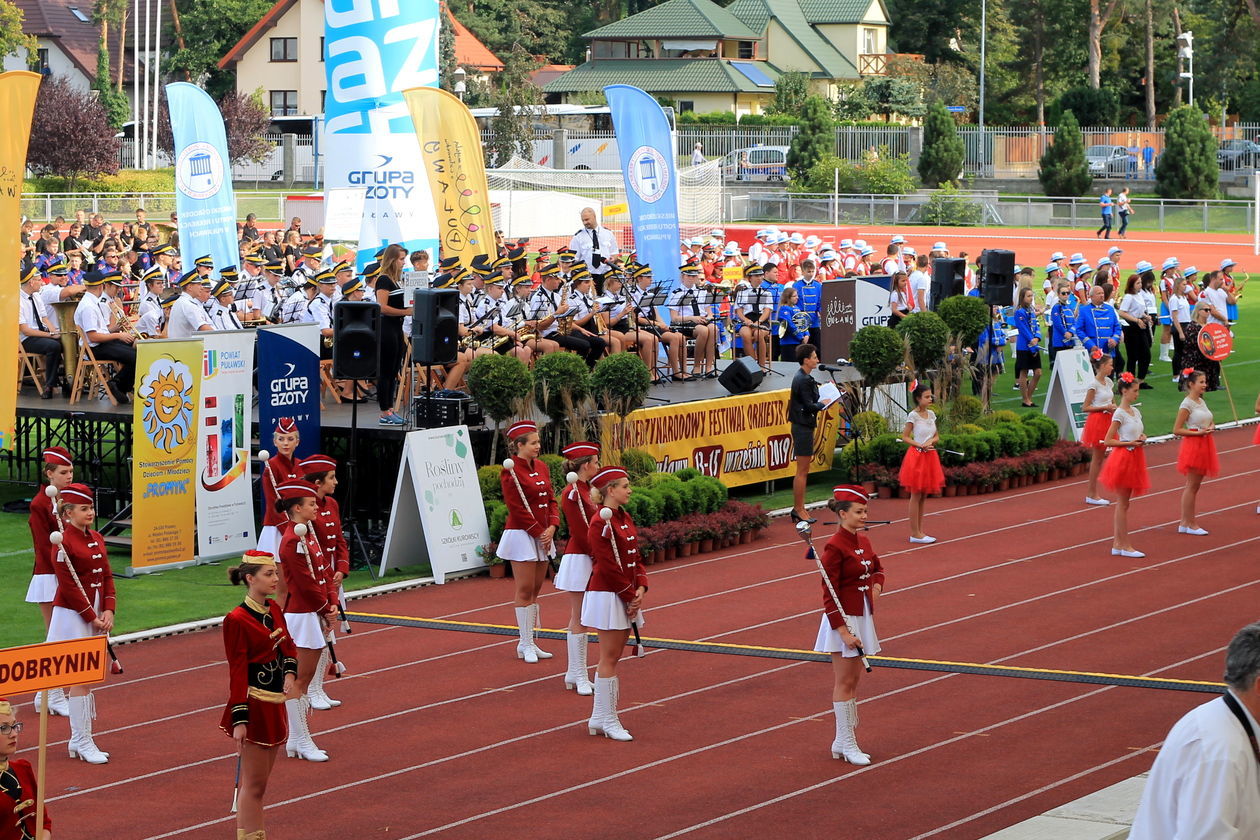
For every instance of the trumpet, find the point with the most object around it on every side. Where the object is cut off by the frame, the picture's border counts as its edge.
(124, 321)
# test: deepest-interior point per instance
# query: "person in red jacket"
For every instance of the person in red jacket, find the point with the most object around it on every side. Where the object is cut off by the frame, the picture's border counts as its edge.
(84, 605)
(280, 467)
(857, 576)
(529, 535)
(321, 471)
(614, 596)
(309, 607)
(262, 666)
(575, 566)
(58, 472)
(17, 784)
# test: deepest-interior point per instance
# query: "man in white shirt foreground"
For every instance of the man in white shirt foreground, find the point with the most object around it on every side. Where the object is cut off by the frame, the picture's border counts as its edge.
(1205, 784)
(189, 315)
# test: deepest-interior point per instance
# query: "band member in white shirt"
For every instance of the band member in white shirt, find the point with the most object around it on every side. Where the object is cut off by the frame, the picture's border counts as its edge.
(751, 312)
(222, 304)
(688, 307)
(152, 322)
(189, 315)
(269, 297)
(296, 308)
(546, 306)
(92, 315)
(495, 312)
(582, 304)
(647, 320)
(37, 326)
(154, 281)
(594, 245)
(320, 310)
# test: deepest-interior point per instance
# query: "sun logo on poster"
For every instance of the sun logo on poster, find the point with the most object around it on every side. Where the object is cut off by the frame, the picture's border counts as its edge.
(166, 403)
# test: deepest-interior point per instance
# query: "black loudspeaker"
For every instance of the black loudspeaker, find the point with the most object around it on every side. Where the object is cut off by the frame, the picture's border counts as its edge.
(999, 277)
(948, 278)
(435, 327)
(356, 340)
(742, 376)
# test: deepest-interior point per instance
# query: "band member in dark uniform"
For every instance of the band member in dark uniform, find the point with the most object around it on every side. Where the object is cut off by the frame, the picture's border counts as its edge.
(59, 471)
(803, 408)
(856, 575)
(529, 535)
(614, 596)
(321, 471)
(262, 667)
(581, 465)
(17, 784)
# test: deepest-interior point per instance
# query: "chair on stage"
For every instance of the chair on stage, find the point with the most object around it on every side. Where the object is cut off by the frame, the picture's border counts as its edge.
(90, 372)
(30, 369)
(327, 383)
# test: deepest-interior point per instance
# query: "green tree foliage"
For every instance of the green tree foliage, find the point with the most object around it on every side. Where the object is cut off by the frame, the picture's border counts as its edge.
(517, 100)
(1188, 167)
(1063, 168)
(446, 51)
(551, 29)
(1091, 107)
(12, 38)
(887, 174)
(117, 110)
(790, 92)
(815, 139)
(211, 28)
(943, 152)
(894, 96)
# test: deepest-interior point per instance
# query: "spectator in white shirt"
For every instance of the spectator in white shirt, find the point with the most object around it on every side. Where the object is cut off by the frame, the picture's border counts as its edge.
(921, 283)
(1218, 299)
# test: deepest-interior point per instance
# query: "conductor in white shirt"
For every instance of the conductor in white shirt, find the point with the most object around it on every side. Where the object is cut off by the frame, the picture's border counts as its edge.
(189, 315)
(1205, 784)
(595, 245)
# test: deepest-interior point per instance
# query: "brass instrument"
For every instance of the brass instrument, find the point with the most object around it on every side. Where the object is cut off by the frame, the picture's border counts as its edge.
(564, 323)
(328, 341)
(120, 315)
(64, 310)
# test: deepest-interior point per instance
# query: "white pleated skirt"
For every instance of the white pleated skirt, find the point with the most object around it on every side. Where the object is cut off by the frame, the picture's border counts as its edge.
(67, 624)
(575, 572)
(305, 630)
(269, 541)
(43, 589)
(605, 611)
(519, 546)
(828, 640)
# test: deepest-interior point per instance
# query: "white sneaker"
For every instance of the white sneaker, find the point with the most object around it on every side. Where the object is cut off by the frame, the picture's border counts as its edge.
(924, 540)
(1090, 500)
(1198, 532)
(1120, 552)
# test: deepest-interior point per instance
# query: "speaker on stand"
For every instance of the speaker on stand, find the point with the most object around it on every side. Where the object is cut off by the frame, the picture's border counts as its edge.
(998, 280)
(949, 278)
(355, 356)
(434, 336)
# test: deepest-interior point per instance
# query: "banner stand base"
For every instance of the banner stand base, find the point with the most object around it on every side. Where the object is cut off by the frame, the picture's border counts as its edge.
(132, 571)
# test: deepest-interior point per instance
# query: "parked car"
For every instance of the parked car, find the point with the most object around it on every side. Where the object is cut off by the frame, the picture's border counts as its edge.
(1108, 161)
(756, 163)
(1238, 154)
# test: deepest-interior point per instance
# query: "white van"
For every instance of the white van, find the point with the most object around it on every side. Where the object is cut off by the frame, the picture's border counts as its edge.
(756, 163)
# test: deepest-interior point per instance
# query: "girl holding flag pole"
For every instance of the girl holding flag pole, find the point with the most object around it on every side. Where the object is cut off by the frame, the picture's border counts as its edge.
(58, 468)
(581, 466)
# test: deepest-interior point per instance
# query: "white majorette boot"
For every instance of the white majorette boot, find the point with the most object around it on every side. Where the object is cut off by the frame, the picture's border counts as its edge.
(57, 704)
(845, 746)
(525, 625)
(315, 691)
(604, 719)
(539, 652)
(81, 744)
(300, 744)
(575, 676)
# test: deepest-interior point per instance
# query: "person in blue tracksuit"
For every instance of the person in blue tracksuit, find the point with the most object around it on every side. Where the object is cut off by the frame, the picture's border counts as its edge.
(1098, 325)
(1028, 347)
(1062, 320)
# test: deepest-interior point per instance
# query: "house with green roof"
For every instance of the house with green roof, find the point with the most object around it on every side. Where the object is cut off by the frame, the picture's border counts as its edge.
(708, 58)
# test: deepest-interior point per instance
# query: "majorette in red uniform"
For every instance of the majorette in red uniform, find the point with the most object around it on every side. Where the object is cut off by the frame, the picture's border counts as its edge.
(59, 470)
(613, 595)
(310, 604)
(332, 541)
(853, 569)
(259, 655)
(575, 565)
(276, 470)
(84, 606)
(533, 517)
(17, 785)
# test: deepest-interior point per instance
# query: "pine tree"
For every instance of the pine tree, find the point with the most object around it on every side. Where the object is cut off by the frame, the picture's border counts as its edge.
(1188, 167)
(815, 138)
(517, 100)
(1063, 168)
(943, 152)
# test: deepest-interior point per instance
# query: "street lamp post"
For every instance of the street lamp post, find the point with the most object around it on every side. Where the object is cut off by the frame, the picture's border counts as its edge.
(1185, 49)
(460, 87)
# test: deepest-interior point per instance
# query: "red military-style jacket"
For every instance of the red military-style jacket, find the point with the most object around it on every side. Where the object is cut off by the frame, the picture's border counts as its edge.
(535, 482)
(579, 510)
(91, 561)
(43, 522)
(620, 572)
(258, 656)
(17, 802)
(277, 470)
(853, 568)
(307, 575)
(332, 539)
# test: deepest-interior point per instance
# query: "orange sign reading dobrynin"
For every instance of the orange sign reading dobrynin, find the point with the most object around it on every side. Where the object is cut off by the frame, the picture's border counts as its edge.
(52, 665)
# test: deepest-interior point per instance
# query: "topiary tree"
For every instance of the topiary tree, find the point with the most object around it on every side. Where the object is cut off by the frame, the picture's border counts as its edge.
(943, 151)
(876, 352)
(815, 138)
(928, 335)
(501, 385)
(562, 382)
(621, 382)
(1188, 166)
(966, 316)
(1063, 168)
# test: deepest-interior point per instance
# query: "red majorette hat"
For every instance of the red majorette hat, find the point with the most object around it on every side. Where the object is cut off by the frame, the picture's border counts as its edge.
(286, 426)
(317, 463)
(58, 455)
(77, 494)
(580, 449)
(293, 489)
(258, 558)
(850, 493)
(520, 429)
(608, 475)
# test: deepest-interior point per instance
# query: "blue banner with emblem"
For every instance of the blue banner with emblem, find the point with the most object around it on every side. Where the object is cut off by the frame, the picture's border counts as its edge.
(372, 53)
(203, 178)
(288, 383)
(647, 164)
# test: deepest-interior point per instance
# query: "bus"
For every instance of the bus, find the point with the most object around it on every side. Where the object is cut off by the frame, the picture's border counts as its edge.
(592, 142)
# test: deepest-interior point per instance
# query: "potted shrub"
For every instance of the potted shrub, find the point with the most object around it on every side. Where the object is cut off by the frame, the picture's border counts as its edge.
(498, 567)
(562, 382)
(620, 383)
(500, 385)
(927, 334)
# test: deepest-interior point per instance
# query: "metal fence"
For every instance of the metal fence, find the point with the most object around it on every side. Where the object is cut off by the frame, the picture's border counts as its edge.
(268, 206)
(270, 170)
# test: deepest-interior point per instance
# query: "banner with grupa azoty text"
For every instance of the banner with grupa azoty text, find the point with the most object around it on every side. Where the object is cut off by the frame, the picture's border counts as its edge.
(740, 440)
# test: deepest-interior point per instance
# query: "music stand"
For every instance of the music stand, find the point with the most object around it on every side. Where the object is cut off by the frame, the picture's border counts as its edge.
(651, 298)
(758, 292)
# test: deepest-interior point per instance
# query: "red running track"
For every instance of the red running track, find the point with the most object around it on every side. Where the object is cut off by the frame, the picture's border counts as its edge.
(448, 734)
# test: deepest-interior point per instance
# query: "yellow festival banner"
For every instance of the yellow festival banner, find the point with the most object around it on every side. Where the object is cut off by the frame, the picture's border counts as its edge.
(450, 151)
(164, 454)
(740, 440)
(17, 104)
